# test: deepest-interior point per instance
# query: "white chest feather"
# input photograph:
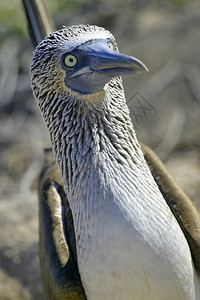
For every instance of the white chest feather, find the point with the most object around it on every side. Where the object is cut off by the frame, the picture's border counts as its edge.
(129, 245)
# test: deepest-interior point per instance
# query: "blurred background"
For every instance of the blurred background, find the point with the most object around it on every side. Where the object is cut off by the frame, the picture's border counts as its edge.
(164, 106)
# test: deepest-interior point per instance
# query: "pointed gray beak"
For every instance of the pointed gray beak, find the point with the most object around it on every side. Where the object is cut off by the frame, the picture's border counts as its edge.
(96, 64)
(102, 60)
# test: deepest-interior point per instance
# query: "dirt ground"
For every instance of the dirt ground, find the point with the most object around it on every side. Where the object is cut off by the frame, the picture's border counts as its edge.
(164, 105)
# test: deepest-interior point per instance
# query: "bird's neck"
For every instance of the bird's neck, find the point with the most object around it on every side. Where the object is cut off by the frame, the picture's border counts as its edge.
(89, 134)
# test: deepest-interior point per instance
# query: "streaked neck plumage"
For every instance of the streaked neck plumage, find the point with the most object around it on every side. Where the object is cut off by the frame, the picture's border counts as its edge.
(84, 128)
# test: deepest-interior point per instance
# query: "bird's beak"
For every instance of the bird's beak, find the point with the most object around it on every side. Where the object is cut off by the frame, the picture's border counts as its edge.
(97, 64)
(107, 63)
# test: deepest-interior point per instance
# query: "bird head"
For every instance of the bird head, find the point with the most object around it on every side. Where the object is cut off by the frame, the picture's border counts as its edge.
(81, 59)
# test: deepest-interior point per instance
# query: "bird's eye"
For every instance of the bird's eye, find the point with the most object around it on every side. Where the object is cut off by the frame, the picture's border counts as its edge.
(110, 45)
(70, 60)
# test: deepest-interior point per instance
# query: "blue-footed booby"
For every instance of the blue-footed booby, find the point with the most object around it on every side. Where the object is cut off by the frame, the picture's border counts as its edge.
(116, 230)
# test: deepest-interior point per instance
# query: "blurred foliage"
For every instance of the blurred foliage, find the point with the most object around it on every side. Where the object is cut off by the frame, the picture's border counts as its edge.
(12, 19)
(69, 7)
(179, 2)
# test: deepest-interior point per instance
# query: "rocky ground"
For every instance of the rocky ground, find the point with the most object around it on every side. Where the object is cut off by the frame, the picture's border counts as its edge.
(164, 105)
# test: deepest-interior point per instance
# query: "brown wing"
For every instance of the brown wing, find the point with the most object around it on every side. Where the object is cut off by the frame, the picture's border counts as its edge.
(58, 261)
(180, 204)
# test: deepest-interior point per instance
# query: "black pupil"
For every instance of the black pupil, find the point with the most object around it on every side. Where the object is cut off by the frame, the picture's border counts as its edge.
(71, 59)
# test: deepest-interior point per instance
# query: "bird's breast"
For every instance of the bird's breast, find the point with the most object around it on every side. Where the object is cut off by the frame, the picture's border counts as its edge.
(129, 245)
